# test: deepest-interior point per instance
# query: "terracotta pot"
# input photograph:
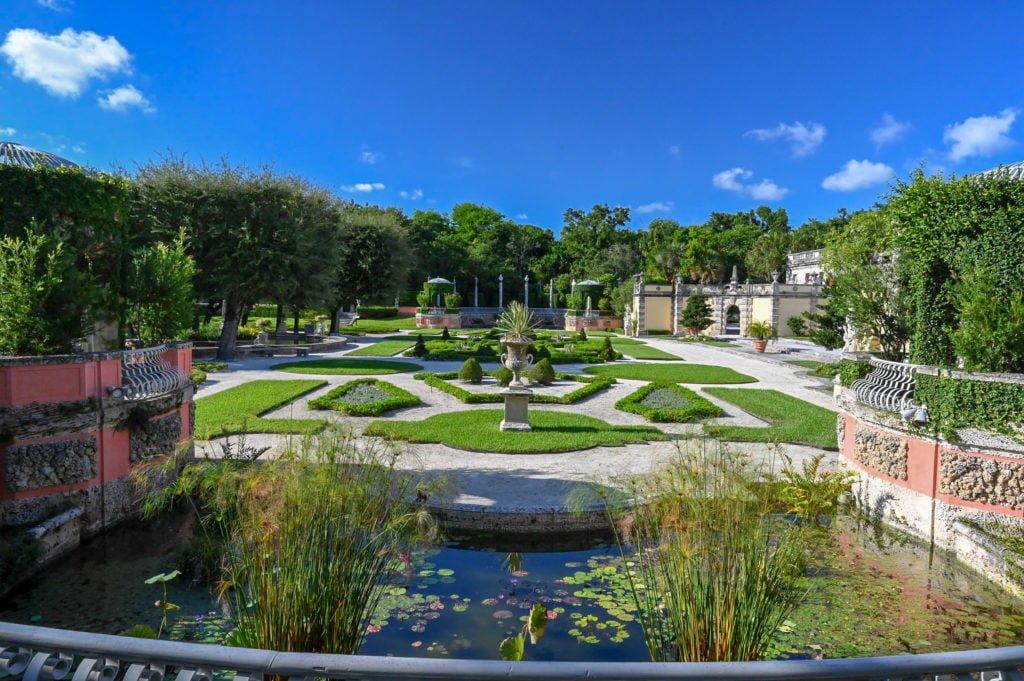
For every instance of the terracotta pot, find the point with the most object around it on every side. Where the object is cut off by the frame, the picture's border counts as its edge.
(516, 359)
(760, 345)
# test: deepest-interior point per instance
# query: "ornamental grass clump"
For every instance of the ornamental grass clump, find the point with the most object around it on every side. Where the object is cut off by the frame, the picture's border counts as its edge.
(716, 573)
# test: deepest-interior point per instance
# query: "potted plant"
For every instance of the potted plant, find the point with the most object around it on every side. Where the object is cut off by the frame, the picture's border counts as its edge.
(761, 332)
(516, 326)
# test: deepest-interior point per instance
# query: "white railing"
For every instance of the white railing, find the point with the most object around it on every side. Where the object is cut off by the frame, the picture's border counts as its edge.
(30, 653)
(889, 386)
(145, 374)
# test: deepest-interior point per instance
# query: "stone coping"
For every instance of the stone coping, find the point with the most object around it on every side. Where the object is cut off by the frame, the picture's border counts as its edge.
(79, 358)
(928, 370)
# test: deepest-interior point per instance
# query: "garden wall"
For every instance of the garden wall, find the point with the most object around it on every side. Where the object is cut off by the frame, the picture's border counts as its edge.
(72, 440)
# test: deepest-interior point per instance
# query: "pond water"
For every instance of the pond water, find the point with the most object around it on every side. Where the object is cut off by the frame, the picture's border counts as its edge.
(882, 594)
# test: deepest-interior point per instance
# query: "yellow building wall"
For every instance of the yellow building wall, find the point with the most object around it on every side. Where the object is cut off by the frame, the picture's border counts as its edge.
(789, 308)
(659, 313)
(760, 311)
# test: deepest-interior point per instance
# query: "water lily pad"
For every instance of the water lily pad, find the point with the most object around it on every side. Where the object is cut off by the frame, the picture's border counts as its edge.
(446, 572)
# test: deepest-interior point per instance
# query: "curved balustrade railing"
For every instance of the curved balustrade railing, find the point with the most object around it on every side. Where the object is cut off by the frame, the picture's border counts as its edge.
(30, 653)
(144, 374)
(889, 386)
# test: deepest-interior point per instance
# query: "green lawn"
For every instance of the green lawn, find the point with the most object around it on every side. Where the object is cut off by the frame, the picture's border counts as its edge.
(238, 409)
(805, 363)
(674, 373)
(792, 420)
(345, 367)
(638, 350)
(668, 403)
(477, 430)
(819, 369)
(384, 348)
(384, 325)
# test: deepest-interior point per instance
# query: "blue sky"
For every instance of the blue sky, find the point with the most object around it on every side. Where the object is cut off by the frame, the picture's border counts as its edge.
(675, 108)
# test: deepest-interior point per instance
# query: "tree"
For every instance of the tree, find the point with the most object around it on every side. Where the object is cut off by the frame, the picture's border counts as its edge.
(661, 247)
(865, 282)
(159, 297)
(696, 315)
(768, 254)
(829, 323)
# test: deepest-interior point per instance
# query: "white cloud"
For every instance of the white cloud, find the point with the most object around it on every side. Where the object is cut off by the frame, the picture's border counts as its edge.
(8, 132)
(414, 195)
(361, 187)
(370, 157)
(733, 180)
(464, 162)
(980, 135)
(857, 175)
(522, 216)
(889, 130)
(55, 5)
(78, 148)
(123, 98)
(656, 207)
(674, 151)
(803, 138)
(65, 63)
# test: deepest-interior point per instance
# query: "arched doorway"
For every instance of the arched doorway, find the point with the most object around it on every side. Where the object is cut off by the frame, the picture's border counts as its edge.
(732, 320)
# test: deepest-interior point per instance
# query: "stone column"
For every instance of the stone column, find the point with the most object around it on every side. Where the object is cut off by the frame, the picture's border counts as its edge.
(526, 291)
(677, 303)
(641, 305)
(551, 294)
(476, 292)
(501, 290)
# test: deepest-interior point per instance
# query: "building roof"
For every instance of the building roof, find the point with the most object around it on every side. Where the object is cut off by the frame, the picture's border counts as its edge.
(1014, 171)
(12, 153)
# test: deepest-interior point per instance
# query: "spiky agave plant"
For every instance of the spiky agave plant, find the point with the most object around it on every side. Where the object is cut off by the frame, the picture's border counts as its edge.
(516, 323)
(716, 573)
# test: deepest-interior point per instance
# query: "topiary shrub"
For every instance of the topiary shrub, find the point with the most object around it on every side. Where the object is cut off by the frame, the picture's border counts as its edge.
(503, 376)
(420, 349)
(471, 371)
(542, 373)
(797, 326)
(541, 352)
(607, 352)
(445, 335)
(582, 335)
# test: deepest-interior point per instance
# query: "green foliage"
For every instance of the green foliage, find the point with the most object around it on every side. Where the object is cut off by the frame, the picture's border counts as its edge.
(210, 367)
(165, 606)
(376, 311)
(380, 397)
(608, 353)
(238, 409)
(452, 300)
(513, 648)
(41, 300)
(420, 349)
(198, 377)
(346, 367)
(141, 631)
(663, 402)
(478, 430)
(582, 335)
(813, 491)
(675, 373)
(158, 297)
(19, 556)
(792, 420)
(471, 371)
(503, 376)
(423, 300)
(542, 373)
(445, 334)
(761, 330)
(851, 369)
(797, 326)
(516, 322)
(955, 403)
(945, 229)
(704, 594)
(829, 323)
(696, 315)
(384, 325)
(990, 336)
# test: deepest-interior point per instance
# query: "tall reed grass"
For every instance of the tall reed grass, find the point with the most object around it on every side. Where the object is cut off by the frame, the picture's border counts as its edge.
(716, 573)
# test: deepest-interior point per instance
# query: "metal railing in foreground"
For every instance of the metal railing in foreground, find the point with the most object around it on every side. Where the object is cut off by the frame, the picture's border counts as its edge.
(889, 386)
(146, 374)
(30, 653)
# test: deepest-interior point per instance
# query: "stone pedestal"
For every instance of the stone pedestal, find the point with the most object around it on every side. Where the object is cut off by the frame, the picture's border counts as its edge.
(517, 401)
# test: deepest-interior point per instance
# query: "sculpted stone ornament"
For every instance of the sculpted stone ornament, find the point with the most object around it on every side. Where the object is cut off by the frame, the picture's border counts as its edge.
(516, 325)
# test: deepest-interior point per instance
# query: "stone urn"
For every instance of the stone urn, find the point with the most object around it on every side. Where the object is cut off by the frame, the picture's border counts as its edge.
(516, 359)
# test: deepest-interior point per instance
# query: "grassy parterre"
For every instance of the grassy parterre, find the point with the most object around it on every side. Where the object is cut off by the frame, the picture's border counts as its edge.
(384, 348)
(384, 325)
(346, 367)
(638, 350)
(478, 430)
(238, 409)
(365, 397)
(442, 381)
(673, 373)
(668, 403)
(792, 420)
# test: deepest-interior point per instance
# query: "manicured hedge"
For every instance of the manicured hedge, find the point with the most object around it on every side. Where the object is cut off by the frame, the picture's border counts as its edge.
(699, 408)
(852, 369)
(955, 403)
(591, 385)
(376, 311)
(398, 399)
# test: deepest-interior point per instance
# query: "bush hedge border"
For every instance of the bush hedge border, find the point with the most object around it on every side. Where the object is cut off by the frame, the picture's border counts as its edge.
(699, 408)
(591, 386)
(955, 403)
(852, 369)
(399, 399)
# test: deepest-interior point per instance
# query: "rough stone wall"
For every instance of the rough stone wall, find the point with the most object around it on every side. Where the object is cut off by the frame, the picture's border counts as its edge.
(987, 481)
(884, 453)
(157, 437)
(52, 463)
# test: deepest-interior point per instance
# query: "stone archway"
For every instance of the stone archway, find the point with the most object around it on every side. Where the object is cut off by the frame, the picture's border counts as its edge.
(732, 320)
